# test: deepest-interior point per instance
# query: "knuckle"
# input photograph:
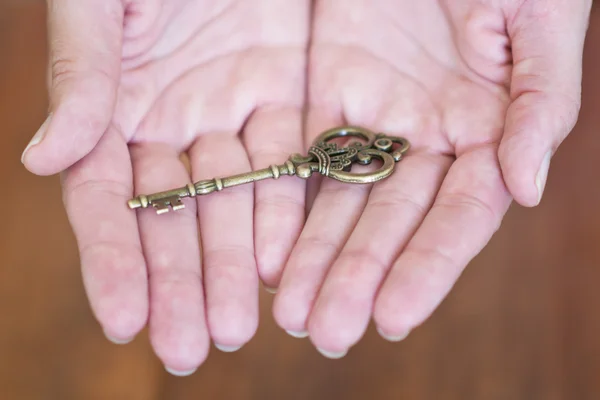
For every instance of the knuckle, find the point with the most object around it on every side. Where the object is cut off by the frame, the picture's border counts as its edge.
(179, 281)
(109, 186)
(399, 201)
(467, 202)
(238, 258)
(277, 202)
(62, 69)
(338, 190)
(268, 154)
(313, 243)
(65, 69)
(365, 261)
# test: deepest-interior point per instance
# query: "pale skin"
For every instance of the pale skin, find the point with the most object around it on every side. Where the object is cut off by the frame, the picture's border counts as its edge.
(485, 90)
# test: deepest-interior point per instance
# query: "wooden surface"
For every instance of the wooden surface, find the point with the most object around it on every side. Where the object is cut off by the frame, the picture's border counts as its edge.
(522, 323)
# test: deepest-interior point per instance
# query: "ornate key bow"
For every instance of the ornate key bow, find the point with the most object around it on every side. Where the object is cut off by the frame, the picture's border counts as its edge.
(324, 157)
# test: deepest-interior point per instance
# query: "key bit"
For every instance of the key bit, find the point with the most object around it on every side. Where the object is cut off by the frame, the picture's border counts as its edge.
(324, 157)
(164, 201)
(162, 206)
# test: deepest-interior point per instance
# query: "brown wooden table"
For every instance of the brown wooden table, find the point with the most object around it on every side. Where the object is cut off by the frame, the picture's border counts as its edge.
(522, 322)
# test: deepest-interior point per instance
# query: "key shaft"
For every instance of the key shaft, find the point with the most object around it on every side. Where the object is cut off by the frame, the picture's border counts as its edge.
(162, 201)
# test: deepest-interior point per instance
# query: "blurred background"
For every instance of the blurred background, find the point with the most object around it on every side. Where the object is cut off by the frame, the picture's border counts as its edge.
(523, 322)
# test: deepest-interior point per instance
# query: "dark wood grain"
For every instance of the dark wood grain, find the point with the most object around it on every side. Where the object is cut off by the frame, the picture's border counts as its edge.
(521, 323)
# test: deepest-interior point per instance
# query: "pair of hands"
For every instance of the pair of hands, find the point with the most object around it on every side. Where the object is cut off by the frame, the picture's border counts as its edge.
(485, 90)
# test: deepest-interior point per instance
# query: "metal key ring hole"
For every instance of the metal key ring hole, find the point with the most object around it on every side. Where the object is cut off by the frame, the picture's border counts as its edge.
(349, 132)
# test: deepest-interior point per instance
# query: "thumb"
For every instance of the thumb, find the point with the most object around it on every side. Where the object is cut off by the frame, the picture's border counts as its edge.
(547, 39)
(85, 55)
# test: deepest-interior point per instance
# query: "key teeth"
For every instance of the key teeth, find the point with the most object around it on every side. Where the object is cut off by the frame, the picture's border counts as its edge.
(165, 205)
(177, 204)
(162, 210)
(178, 207)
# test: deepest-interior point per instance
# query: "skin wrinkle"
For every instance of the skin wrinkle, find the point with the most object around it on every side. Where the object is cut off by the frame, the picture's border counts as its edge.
(358, 48)
(188, 46)
(422, 47)
(151, 53)
(115, 188)
(132, 48)
(161, 89)
(176, 277)
(179, 57)
(435, 99)
(460, 41)
(116, 246)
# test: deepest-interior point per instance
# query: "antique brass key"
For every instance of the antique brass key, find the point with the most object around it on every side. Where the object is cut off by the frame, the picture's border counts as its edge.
(324, 157)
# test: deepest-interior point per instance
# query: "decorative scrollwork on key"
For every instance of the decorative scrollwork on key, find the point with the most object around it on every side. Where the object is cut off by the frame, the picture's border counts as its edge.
(324, 157)
(330, 160)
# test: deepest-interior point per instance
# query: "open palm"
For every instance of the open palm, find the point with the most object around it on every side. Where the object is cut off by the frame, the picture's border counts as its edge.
(485, 91)
(133, 86)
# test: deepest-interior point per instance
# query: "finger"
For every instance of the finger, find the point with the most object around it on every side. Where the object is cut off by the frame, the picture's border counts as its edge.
(547, 44)
(231, 278)
(178, 329)
(95, 193)
(334, 214)
(395, 209)
(271, 136)
(85, 41)
(466, 213)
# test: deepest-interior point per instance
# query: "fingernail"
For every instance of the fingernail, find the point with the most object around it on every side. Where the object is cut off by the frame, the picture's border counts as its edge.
(180, 373)
(333, 355)
(299, 335)
(37, 138)
(271, 290)
(542, 175)
(227, 349)
(118, 341)
(392, 338)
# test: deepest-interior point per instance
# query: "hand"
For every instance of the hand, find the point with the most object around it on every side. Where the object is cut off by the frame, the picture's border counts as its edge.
(485, 91)
(133, 85)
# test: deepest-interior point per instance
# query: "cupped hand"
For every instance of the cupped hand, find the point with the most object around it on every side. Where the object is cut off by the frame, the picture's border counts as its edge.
(134, 87)
(485, 90)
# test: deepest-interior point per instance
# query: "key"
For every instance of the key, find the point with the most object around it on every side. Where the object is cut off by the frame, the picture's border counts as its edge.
(324, 157)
